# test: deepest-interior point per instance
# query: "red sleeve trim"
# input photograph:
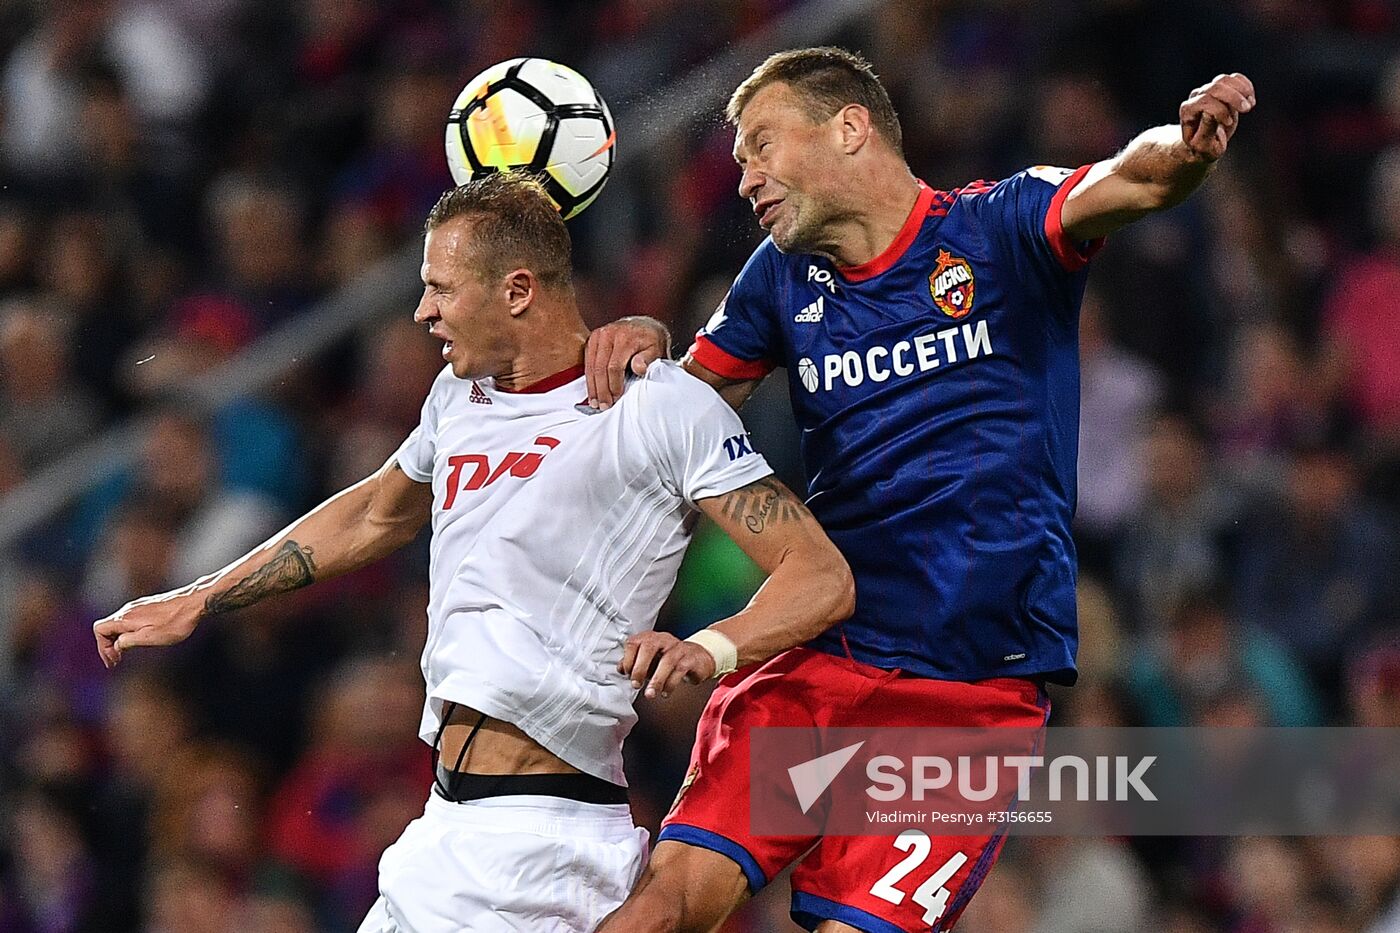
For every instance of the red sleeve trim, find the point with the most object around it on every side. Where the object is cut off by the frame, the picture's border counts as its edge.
(1067, 251)
(725, 364)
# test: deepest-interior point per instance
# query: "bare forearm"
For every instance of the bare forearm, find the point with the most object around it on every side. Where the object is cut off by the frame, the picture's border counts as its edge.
(737, 393)
(349, 530)
(733, 391)
(1155, 171)
(342, 534)
(798, 602)
(809, 588)
(291, 566)
(1161, 167)
(1160, 161)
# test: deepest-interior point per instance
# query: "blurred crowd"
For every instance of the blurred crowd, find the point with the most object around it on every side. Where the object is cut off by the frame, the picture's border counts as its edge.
(181, 177)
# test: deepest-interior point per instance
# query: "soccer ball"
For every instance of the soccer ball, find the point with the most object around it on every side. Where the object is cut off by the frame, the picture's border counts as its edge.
(534, 115)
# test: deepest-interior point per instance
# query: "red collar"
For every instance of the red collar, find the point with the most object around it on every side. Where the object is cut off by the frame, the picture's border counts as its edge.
(897, 248)
(548, 383)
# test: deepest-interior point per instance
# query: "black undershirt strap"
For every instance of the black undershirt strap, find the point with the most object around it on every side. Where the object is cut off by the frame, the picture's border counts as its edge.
(457, 768)
(459, 786)
(571, 786)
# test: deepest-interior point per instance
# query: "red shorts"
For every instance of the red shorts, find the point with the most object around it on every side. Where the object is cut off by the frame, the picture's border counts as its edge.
(869, 882)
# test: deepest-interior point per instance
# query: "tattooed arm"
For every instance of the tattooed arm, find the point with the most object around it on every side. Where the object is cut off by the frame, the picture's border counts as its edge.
(291, 567)
(809, 587)
(357, 526)
(808, 590)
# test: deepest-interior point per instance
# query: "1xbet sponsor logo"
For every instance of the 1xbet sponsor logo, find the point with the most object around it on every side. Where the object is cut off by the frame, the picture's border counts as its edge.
(738, 446)
(904, 358)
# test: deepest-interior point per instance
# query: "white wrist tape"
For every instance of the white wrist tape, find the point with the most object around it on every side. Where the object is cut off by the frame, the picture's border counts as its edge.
(725, 653)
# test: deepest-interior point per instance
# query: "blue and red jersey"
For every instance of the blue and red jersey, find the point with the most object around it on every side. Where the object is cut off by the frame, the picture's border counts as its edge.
(937, 391)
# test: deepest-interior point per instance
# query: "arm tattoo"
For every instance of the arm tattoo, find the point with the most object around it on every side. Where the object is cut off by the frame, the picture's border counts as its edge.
(762, 504)
(292, 567)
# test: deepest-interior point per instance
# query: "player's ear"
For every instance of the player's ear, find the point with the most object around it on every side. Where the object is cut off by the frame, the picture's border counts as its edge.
(520, 287)
(853, 124)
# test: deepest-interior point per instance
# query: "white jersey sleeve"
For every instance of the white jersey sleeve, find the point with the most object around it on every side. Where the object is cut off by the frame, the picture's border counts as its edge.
(415, 454)
(698, 442)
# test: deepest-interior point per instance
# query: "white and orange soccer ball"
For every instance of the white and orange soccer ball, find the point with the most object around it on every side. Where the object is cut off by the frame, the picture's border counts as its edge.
(537, 116)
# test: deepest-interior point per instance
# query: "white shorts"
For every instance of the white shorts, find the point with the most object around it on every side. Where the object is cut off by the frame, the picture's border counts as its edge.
(508, 863)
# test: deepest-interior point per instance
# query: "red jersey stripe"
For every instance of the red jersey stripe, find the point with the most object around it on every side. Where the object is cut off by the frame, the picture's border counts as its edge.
(721, 363)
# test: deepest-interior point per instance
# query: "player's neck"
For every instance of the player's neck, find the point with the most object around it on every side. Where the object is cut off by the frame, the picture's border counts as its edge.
(555, 346)
(871, 229)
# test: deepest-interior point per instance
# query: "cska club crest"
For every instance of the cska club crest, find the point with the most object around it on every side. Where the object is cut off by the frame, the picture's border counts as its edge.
(952, 285)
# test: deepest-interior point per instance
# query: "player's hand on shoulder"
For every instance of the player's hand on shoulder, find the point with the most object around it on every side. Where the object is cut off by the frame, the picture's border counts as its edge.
(1210, 116)
(151, 621)
(676, 662)
(629, 342)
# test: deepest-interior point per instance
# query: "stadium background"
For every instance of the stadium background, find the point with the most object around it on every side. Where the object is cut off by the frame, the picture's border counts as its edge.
(184, 184)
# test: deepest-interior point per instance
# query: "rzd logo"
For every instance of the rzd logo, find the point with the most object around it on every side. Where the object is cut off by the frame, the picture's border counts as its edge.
(517, 464)
(952, 285)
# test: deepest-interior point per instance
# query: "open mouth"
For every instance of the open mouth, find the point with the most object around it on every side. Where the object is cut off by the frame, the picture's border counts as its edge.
(439, 335)
(765, 211)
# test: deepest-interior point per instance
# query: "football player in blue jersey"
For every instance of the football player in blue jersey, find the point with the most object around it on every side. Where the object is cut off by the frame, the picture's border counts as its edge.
(930, 342)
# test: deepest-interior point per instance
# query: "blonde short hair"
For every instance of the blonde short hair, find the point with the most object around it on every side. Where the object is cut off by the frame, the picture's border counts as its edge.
(514, 225)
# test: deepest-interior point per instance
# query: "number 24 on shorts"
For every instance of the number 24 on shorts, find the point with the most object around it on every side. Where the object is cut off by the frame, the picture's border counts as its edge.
(931, 895)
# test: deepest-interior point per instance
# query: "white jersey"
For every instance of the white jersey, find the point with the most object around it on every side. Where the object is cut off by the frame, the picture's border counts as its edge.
(557, 533)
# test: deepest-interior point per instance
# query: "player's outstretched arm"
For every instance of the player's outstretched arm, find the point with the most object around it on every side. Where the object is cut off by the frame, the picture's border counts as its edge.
(1162, 166)
(357, 526)
(809, 589)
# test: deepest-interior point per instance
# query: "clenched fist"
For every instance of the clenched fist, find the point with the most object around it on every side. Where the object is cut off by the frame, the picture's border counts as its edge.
(676, 662)
(149, 621)
(1211, 114)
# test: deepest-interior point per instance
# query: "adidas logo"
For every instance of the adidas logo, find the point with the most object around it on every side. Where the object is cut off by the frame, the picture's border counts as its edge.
(811, 314)
(478, 396)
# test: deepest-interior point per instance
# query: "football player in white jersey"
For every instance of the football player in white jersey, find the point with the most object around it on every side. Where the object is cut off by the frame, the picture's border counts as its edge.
(557, 532)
